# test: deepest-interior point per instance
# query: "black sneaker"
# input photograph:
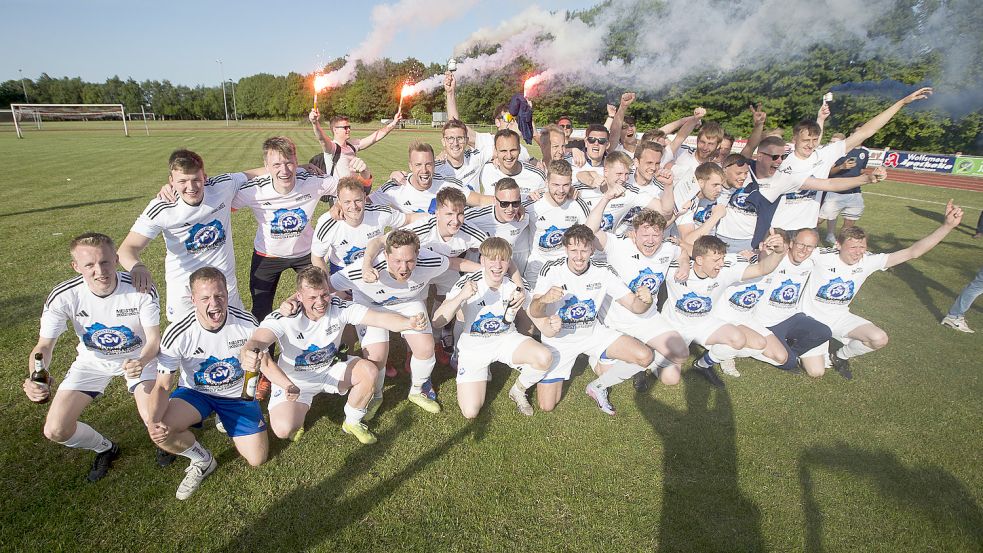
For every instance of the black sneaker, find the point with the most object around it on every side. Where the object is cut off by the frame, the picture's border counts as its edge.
(163, 458)
(842, 366)
(709, 374)
(103, 462)
(641, 381)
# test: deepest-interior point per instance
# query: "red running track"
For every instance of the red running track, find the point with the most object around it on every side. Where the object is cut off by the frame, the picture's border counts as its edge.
(959, 182)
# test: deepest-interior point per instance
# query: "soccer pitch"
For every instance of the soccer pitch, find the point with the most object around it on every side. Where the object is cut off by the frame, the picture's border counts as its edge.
(890, 461)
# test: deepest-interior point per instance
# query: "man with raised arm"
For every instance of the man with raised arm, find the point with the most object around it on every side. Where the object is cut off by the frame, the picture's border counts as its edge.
(341, 149)
(506, 163)
(416, 191)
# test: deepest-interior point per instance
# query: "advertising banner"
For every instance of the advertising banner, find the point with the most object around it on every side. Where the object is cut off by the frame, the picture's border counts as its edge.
(919, 162)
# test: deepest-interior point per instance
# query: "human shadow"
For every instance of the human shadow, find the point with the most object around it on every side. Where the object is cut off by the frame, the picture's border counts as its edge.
(67, 206)
(16, 310)
(703, 507)
(916, 280)
(939, 218)
(307, 516)
(931, 491)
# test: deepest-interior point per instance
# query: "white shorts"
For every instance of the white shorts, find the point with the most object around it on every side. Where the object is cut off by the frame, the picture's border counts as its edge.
(329, 382)
(698, 330)
(179, 304)
(645, 327)
(746, 319)
(851, 206)
(475, 356)
(841, 324)
(93, 376)
(368, 335)
(565, 353)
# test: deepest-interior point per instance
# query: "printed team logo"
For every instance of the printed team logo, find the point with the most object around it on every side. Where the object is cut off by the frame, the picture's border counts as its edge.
(288, 222)
(353, 254)
(431, 209)
(607, 223)
(203, 237)
(747, 298)
(703, 213)
(391, 300)
(738, 200)
(552, 238)
(488, 323)
(315, 357)
(836, 291)
(218, 374)
(576, 312)
(630, 215)
(693, 305)
(800, 196)
(111, 340)
(648, 278)
(787, 294)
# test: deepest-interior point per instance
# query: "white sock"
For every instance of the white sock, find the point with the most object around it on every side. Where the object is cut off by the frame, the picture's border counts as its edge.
(353, 415)
(659, 362)
(618, 373)
(528, 377)
(85, 437)
(750, 352)
(722, 352)
(420, 370)
(197, 453)
(852, 349)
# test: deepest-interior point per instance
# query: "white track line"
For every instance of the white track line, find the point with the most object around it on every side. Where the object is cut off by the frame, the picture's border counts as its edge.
(919, 199)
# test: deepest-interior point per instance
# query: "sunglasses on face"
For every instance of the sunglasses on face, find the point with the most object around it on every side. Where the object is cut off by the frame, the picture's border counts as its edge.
(566, 126)
(775, 157)
(504, 204)
(593, 140)
(740, 163)
(346, 127)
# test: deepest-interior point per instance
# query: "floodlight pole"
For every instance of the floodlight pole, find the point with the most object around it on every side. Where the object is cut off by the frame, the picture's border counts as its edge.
(24, 86)
(235, 110)
(224, 100)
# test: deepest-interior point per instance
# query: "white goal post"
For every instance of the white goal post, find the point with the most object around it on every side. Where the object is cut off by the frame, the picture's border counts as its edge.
(37, 112)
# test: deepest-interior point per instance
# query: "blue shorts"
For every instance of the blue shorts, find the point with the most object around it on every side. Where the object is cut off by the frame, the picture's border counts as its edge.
(238, 416)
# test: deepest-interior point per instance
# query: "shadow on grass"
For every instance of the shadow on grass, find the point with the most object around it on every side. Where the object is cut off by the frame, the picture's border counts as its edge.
(68, 206)
(14, 311)
(931, 491)
(915, 279)
(306, 517)
(703, 508)
(965, 228)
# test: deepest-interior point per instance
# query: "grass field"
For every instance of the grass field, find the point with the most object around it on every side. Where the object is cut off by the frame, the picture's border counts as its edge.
(891, 461)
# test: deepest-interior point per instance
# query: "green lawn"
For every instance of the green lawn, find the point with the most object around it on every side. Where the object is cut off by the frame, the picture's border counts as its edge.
(888, 462)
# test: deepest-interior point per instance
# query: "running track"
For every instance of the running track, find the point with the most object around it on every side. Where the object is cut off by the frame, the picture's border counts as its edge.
(959, 182)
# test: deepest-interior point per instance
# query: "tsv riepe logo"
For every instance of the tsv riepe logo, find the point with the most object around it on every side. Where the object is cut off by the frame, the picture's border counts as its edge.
(836, 291)
(648, 278)
(218, 374)
(315, 357)
(692, 304)
(488, 323)
(354, 254)
(552, 238)
(112, 340)
(205, 236)
(577, 312)
(786, 294)
(747, 298)
(288, 222)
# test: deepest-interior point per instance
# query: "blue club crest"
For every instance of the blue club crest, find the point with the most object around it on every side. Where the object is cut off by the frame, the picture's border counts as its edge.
(488, 323)
(648, 278)
(288, 221)
(552, 238)
(217, 372)
(607, 222)
(787, 293)
(315, 357)
(205, 236)
(747, 298)
(111, 340)
(703, 213)
(391, 300)
(630, 215)
(693, 304)
(577, 312)
(354, 254)
(836, 291)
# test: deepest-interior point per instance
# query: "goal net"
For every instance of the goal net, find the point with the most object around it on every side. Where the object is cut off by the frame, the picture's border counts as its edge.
(33, 115)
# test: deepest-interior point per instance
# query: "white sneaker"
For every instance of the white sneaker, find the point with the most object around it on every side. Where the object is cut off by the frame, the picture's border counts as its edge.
(600, 395)
(219, 426)
(729, 368)
(958, 323)
(195, 473)
(521, 401)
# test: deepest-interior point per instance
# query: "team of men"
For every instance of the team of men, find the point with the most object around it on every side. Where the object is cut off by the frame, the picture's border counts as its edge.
(473, 257)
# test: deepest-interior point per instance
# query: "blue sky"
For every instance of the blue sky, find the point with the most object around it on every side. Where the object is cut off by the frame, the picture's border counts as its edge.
(180, 40)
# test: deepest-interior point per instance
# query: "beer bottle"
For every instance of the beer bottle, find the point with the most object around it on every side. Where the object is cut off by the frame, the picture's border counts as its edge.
(250, 379)
(40, 376)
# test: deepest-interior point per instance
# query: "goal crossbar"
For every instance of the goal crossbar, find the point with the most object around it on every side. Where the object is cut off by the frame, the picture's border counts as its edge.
(77, 110)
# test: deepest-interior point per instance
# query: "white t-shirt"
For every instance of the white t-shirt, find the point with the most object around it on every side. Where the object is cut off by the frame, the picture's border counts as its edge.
(834, 284)
(408, 199)
(582, 298)
(548, 222)
(386, 290)
(466, 238)
(307, 346)
(344, 244)
(514, 232)
(693, 300)
(685, 164)
(741, 216)
(529, 178)
(207, 360)
(620, 209)
(794, 171)
(635, 269)
(739, 299)
(110, 328)
(783, 288)
(484, 312)
(284, 219)
(474, 159)
(195, 236)
(588, 166)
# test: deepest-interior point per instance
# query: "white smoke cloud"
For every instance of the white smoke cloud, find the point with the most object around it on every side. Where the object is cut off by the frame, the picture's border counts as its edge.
(387, 20)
